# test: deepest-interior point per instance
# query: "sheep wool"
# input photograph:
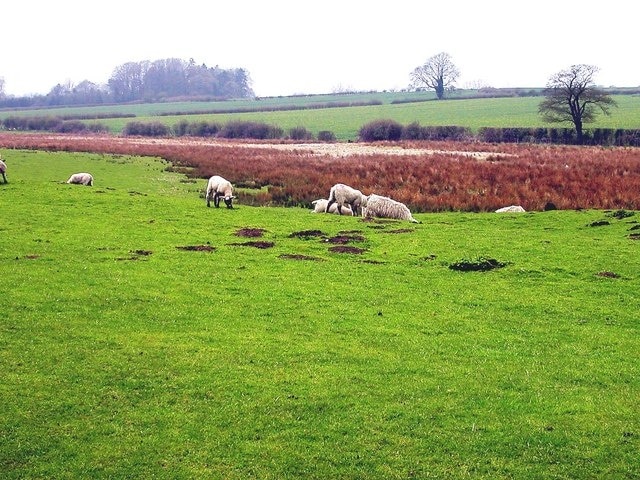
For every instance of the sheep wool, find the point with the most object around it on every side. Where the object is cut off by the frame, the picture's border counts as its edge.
(320, 206)
(3, 170)
(81, 179)
(378, 206)
(342, 195)
(218, 188)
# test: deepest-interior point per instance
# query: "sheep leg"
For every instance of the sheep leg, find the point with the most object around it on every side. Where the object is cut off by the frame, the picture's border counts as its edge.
(216, 200)
(329, 203)
(4, 178)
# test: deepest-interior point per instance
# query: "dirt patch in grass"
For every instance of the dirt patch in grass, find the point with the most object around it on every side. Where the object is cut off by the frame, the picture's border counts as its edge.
(261, 245)
(634, 236)
(197, 248)
(347, 249)
(608, 274)
(307, 234)
(250, 232)
(135, 255)
(599, 223)
(481, 264)
(344, 239)
(29, 257)
(620, 214)
(293, 256)
(401, 230)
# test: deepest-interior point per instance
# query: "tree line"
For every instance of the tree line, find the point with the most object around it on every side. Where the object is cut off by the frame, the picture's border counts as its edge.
(145, 81)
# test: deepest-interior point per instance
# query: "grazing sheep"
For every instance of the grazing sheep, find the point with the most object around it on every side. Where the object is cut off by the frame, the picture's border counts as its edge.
(219, 187)
(378, 206)
(81, 179)
(320, 206)
(3, 170)
(343, 195)
(511, 209)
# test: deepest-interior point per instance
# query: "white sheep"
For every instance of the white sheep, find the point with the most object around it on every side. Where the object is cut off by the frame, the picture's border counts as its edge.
(343, 195)
(378, 206)
(217, 188)
(511, 209)
(81, 179)
(3, 170)
(320, 206)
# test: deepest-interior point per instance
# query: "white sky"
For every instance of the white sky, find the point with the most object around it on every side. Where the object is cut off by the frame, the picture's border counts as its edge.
(292, 47)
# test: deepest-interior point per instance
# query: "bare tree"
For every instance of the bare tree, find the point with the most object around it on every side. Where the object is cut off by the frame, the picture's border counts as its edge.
(438, 72)
(571, 96)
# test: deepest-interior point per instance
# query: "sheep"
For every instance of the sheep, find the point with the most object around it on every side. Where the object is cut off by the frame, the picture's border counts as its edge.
(385, 207)
(81, 179)
(3, 170)
(320, 206)
(342, 195)
(219, 187)
(511, 209)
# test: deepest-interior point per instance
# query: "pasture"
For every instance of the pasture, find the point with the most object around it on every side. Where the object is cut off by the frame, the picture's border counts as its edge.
(345, 122)
(143, 335)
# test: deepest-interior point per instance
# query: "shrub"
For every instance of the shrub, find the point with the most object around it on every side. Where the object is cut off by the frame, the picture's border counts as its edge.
(150, 129)
(300, 133)
(245, 129)
(72, 126)
(380, 130)
(326, 136)
(203, 129)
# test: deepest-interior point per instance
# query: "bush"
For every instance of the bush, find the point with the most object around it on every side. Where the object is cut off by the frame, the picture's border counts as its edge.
(203, 129)
(300, 133)
(72, 126)
(150, 129)
(380, 130)
(326, 136)
(244, 129)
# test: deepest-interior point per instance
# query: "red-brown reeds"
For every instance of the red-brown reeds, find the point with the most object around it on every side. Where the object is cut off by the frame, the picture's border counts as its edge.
(530, 175)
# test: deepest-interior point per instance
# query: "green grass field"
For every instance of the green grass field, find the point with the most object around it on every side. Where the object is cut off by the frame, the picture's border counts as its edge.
(345, 122)
(124, 356)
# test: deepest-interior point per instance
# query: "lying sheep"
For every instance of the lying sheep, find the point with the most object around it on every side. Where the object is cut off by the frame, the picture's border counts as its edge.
(3, 170)
(219, 187)
(378, 206)
(81, 179)
(511, 209)
(320, 206)
(343, 195)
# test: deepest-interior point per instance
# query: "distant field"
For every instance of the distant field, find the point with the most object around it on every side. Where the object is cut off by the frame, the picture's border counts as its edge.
(345, 122)
(143, 335)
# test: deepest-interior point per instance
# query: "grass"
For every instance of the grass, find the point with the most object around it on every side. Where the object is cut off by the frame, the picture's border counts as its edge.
(124, 356)
(346, 122)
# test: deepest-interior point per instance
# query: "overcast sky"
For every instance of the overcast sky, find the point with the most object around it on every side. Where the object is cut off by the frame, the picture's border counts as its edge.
(292, 47)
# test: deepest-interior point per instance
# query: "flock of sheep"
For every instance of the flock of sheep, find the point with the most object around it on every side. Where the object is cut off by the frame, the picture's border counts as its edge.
(343, 200)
